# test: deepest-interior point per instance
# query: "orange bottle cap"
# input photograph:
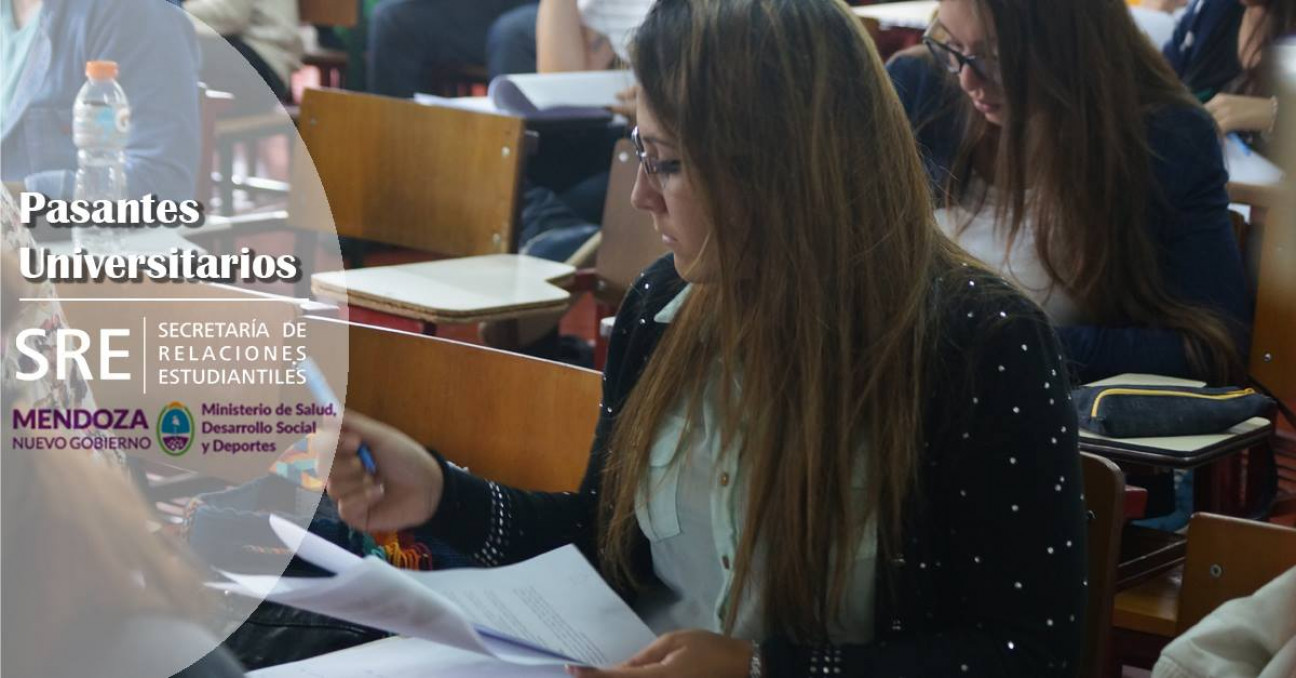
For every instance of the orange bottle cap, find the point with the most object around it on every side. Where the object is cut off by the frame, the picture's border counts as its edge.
(101, 70)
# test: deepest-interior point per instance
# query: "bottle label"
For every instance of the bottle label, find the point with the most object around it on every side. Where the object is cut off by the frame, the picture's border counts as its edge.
(123, 120)
(98, 126)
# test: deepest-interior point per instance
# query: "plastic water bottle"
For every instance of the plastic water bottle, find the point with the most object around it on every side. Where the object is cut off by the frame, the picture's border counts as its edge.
(100, 128)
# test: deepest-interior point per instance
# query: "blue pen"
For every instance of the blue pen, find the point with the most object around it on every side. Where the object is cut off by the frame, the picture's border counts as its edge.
(1237, 139)
(319, 388)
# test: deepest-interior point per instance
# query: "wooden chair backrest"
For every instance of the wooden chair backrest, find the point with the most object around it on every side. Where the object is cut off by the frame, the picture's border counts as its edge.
(338, 13)
(1230, 558)
(1273, 334)
(630, 243)
(428, 178)
(1104, 493)
(516, 420)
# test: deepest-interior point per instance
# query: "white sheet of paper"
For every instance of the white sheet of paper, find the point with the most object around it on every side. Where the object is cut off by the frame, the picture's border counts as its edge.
(534, 94)
(478, 104)
(313, 548)
(378, 595)
(550, 610)
(1158, 26)
(1245, 166)
(405, 658)
(556, 600)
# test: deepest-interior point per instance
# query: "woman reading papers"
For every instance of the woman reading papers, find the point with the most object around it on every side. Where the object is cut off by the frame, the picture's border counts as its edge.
(830, 442)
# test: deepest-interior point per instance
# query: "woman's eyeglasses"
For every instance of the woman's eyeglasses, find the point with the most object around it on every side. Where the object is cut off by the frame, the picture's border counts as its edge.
(657, 170)
(986, 67)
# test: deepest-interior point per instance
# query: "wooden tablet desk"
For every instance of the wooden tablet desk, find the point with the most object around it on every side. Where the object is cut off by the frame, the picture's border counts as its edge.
(1178, 452)
(1181, 452)
(463, 290)
(1218, 484)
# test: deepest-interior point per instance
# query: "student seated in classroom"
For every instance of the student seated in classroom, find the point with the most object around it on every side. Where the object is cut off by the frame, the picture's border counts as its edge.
(564, 202)
(1218, 50)
(410, 38)
(542, 37)
(830, 442)
(568, 179)
(265, 33)
(1066, 155)
(46, 46)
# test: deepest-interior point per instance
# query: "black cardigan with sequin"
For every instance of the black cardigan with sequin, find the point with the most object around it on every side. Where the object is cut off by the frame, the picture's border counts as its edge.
(992, 577)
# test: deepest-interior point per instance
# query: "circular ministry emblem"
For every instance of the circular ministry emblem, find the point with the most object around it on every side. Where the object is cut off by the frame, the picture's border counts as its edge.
(175, 429)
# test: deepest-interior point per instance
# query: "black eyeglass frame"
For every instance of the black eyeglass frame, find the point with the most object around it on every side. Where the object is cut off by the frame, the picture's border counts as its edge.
(650, 165)
(940, 51)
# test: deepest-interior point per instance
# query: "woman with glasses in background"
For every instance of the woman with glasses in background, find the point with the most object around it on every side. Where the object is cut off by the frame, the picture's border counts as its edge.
(1218, 50)
(829, 443)
(1066, 155)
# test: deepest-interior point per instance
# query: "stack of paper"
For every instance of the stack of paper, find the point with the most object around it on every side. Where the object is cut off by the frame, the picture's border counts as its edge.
(545, 96)
(549, 611)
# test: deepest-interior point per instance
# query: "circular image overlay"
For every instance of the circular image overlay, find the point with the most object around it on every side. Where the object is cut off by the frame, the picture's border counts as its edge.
(169, 383)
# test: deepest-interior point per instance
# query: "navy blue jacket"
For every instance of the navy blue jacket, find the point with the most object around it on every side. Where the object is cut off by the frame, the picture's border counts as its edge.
(1203, 50)
(1190, 224)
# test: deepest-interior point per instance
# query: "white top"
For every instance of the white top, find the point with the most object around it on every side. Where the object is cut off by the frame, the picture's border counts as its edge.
(616, 20)
(985, 240)
(1245, 637)
(691, 509)
(271, 27)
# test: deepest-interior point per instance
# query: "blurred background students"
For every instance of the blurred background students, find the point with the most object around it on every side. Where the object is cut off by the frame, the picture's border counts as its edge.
(408, 38)
(264, 32)
(1219, 51)
(1067, 156)
(46, 46)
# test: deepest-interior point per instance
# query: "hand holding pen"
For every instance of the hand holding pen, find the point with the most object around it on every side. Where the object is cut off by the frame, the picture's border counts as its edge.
(405, 489)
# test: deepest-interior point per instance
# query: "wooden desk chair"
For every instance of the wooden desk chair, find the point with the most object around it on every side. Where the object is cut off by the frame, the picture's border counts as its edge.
(1104, 493)
(1273, 333)
(331, 63)
(433, 179)
(212, 104)
(489, 288)
(514, 419)
(1227, 558)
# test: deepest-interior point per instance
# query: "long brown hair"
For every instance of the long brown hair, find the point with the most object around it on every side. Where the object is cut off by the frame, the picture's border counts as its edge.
(1079, 80)
(80, 560)
(826, 250)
